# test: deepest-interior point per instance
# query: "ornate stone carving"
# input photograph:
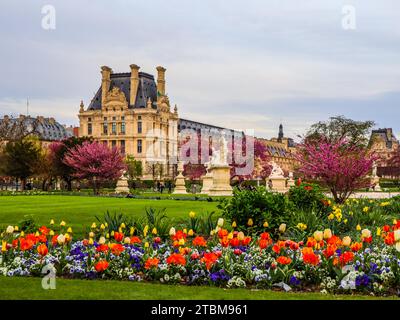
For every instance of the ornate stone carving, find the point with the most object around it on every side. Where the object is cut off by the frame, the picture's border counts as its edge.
(163, 104)
(115, 94)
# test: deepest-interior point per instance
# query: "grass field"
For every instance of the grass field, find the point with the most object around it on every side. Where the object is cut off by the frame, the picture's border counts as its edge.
(30, 288)
(79, 211)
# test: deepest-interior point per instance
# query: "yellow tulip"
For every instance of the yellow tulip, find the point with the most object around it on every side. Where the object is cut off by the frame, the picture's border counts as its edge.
(234, 225)
(190, 233)
(51, 222)
(3, 246)
(172, 231)
(378, 232)
(91, 241)
(102, 226)
(120, 230)
(16, 228)
(91, 234)
(282, 228)
(10, 229)
(145, 230)
(230, 235)
(132, 230)
(331, 216)
(265, 225)
(398, 246)
(346, 241)
(184, 231)
(220, 222)
(154, 231)
(37, 234)
(102, 240)
(358, 228)
(123, 226)
(240, 235)
(192, 214)
(146, 244)
(250, 222)
(327, 233)
(63, 223)
(50, 233)
(397, 235)
(127, 240)
(94, 226)
(69, 230)
(22, 234)
(318, 235)
(108, 236)
(181, 242)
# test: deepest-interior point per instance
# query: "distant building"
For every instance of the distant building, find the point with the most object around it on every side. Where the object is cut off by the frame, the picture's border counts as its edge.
(73, 131)
(46, 129)
(384, 143)
(281, 150)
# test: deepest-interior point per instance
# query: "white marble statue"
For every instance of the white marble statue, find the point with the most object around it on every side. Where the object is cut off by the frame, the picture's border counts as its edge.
(276, 170)
(219, 156)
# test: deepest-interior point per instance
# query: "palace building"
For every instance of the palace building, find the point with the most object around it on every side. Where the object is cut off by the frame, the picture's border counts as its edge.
(132, 111)
(384, 143)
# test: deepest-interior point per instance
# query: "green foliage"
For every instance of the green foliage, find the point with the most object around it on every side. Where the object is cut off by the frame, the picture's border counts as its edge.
(28, 224)
(158, 219)
(339, 127)
(259, 205)
(20, 158)
(135, 167)
(308, 197)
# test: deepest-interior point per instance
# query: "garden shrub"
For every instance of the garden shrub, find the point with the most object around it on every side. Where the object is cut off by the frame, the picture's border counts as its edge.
(308, 197)
(259, 205)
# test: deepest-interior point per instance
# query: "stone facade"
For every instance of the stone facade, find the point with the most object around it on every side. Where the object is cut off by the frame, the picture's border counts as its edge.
(384, 143)
(131, 111)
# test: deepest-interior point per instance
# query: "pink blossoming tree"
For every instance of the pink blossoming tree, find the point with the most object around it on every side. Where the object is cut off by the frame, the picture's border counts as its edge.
(96, 163)
(341, 167)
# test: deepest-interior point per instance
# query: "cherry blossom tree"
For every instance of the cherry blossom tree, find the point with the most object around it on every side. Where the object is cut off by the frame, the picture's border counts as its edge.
(95, 162)
(343, 168)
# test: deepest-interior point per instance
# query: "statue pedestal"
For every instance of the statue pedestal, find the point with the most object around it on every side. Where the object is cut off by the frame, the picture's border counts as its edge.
(375, 182)
(122, 185)
(180, 186)
(278, 184)
(207, 183)
(220, 181)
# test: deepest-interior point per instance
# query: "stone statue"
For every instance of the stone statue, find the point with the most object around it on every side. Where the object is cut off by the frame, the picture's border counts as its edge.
(374, 170)
(219, 156)
(276, 170)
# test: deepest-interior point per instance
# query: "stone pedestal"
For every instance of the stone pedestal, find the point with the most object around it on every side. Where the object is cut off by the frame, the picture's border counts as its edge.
(207, 183)
(278, 184)
(180, 186)
(122, 185)
(220, 181)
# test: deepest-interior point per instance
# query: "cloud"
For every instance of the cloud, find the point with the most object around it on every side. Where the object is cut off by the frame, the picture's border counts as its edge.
(250, 64)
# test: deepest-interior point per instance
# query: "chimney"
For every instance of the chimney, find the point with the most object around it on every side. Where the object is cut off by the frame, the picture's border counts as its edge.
(105, 82)
(134, 83)
(161, 80)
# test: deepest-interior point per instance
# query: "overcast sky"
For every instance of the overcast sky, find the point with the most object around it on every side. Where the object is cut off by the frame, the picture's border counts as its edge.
(237, 64)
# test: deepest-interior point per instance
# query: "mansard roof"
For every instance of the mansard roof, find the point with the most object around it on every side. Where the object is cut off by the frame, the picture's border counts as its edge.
(46, 129)
(147, 89)
(386, 134)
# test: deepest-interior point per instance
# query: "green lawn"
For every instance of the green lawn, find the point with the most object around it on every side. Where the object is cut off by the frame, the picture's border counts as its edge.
(30, 288)
(79, 211)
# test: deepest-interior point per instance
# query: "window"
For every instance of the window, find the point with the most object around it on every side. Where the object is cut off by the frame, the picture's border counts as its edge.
(123, 146)
(114, 128)
(89, 129)
(105, 127)
(139, 127)
(123, 118)
(113, 143)
(139, 117)
(123, 127)
(89, 119)
(105, 142)
(139, 146)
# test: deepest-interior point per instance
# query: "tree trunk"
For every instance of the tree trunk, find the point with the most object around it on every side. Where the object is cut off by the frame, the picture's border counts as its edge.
(69, 185)
(23, 184)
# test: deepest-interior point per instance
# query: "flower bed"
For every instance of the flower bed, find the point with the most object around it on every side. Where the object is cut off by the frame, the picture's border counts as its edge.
(330, 263)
